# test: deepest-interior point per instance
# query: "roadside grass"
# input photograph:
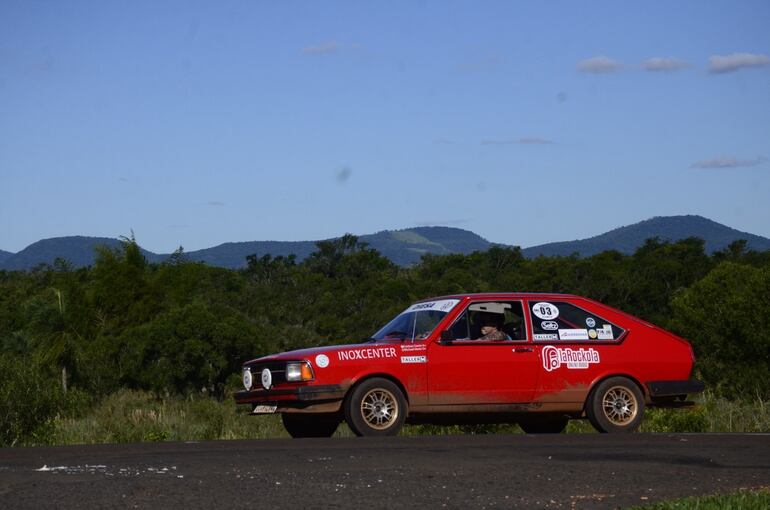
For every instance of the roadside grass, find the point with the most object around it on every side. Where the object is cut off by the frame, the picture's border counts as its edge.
(135, 416)
(742, 500)
(712, 414)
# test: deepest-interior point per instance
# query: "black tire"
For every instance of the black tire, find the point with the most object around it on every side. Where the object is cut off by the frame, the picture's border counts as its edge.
(615, 405)
(543, 424)
(376, 407)
(300, 425)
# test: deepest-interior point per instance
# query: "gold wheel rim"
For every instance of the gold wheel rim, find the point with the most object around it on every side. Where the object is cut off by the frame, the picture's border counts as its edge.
(379, 408)
(620, 405)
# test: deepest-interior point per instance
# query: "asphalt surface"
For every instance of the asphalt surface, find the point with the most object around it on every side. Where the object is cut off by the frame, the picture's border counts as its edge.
(505, 471)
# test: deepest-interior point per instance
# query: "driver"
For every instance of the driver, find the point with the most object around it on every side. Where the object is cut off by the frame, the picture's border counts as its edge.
(491, 328)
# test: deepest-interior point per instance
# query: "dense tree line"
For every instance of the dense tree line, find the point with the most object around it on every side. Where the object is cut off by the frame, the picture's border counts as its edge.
(183, 327)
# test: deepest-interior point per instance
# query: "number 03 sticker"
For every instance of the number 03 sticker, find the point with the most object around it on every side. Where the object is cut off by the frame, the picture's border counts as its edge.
(545, 311)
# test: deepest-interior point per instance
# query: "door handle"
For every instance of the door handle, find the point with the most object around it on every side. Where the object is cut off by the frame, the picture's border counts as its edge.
(523, 349)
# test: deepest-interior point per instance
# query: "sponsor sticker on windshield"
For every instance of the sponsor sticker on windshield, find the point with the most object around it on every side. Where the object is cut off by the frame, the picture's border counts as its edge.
(442, 305)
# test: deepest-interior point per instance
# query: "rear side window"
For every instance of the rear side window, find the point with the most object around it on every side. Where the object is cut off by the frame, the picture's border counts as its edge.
(554, 321)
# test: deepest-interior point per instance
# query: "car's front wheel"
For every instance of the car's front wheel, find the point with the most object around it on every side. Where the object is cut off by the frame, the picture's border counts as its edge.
(615, 405)
(300, 425)
(376, 407)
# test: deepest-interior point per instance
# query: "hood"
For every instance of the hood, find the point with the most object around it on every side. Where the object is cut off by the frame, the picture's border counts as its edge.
(300, 354)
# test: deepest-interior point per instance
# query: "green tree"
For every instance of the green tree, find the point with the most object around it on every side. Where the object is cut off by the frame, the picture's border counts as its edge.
(726, 316)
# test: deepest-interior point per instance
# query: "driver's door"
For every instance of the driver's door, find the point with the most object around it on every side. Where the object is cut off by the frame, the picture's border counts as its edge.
(474, 372)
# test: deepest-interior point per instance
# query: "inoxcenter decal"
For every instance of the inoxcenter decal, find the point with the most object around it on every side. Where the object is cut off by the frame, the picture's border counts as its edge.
(371, 353)
(555, 357)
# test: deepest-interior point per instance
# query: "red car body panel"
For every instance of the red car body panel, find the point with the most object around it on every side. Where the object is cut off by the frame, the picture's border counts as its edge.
(527, 375)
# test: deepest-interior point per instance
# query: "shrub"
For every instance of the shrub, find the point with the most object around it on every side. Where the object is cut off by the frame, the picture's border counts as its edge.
(30, 399)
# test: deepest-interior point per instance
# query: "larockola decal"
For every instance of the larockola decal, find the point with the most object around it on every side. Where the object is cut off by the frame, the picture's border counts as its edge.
(555, 357)
(414, 359)
(545, 336)
(545, 311)
(322, 361)
(370, 353)
(573, 334)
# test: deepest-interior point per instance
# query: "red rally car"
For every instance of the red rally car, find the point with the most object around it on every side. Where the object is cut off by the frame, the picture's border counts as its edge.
(534, 359)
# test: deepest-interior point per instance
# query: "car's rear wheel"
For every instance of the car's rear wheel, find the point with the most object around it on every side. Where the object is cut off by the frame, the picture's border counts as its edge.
(300, 425)
(543, 424)
(376, 407)
(615, 405)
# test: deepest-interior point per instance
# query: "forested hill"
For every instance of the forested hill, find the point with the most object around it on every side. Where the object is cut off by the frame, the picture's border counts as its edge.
(79, 251)
(668, 228)
(404, 247)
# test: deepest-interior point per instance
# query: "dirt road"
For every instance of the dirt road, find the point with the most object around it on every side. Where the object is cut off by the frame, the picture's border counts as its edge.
(505, 471)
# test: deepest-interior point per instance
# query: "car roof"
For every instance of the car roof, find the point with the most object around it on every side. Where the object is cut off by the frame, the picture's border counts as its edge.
(512, 295)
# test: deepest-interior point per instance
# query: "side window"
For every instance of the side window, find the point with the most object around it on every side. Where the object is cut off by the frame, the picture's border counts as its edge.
(491, 321)
(558, 320)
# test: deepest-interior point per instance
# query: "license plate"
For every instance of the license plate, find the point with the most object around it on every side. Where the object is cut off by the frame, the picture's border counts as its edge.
(264, 409)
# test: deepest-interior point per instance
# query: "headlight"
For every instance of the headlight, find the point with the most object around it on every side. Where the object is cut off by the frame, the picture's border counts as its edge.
(299, 371)
(247, 380)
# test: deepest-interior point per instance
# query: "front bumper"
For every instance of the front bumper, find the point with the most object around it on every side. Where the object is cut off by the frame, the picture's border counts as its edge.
(301, 396)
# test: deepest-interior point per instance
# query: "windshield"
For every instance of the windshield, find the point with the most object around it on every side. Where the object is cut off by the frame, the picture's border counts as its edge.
(416, 322)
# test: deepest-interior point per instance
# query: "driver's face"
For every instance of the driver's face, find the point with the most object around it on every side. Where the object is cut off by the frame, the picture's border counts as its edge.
(485, 330)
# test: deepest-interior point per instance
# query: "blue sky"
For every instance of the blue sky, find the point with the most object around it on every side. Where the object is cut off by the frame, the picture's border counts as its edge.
(197, 123)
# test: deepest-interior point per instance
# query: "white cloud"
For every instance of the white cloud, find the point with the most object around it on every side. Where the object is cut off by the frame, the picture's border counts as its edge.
(664, 64)
(532, 140)
(729, 63)
(598, 65)
(728, 162)
(322, 49)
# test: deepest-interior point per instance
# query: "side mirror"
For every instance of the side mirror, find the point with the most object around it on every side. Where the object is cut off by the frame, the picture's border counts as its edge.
(446, 337)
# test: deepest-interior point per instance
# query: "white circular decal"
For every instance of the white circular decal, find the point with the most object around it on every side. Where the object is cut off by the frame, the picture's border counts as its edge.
(545, 311)
(267, 379)
(590, 322)
(322, 360)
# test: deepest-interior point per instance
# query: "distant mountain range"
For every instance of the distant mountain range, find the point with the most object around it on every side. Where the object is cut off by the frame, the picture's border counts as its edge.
(669, 228)
(404, 247)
